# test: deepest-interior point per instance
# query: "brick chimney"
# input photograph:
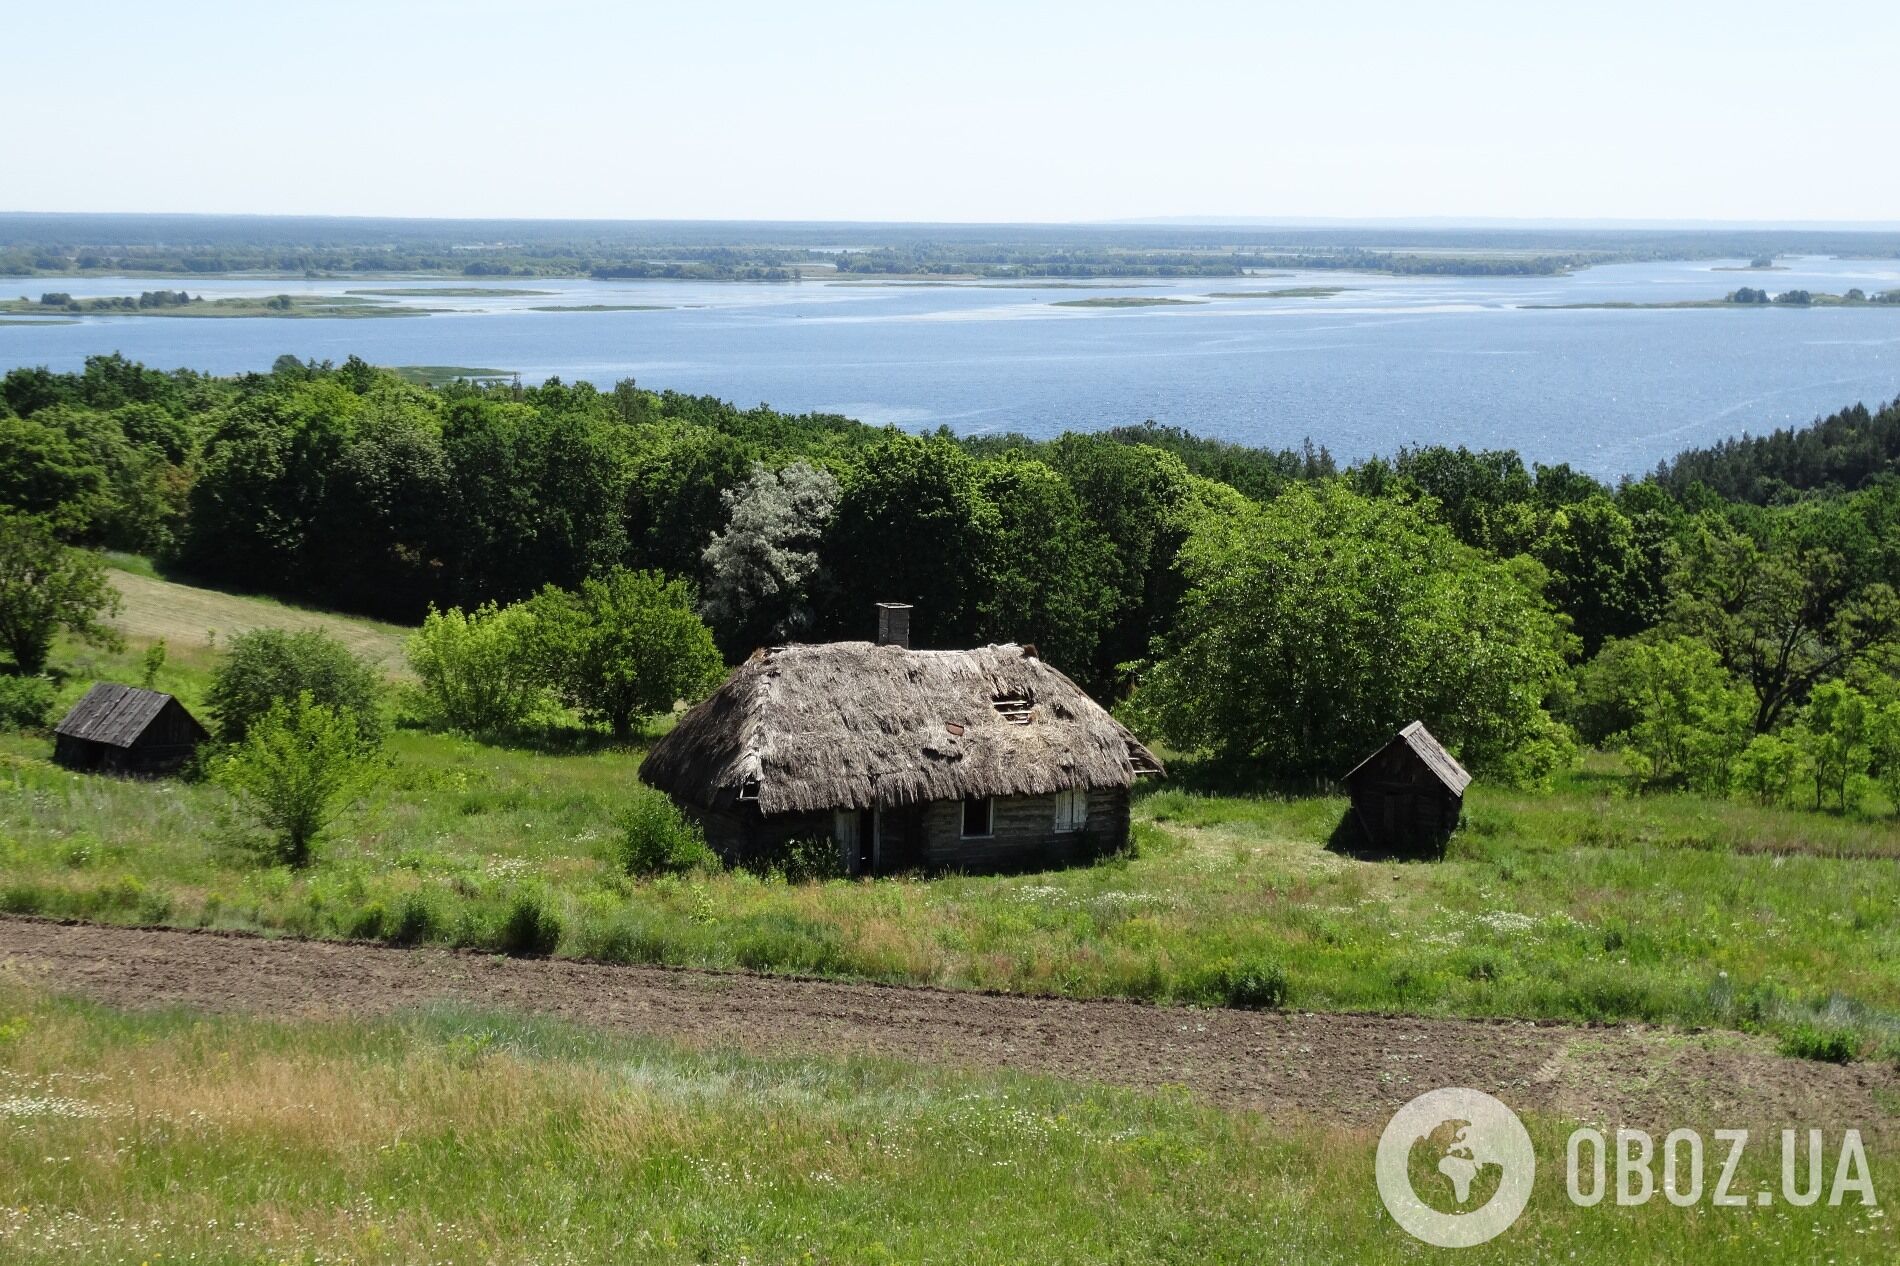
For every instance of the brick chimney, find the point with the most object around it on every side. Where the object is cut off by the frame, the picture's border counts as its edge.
(893, 624)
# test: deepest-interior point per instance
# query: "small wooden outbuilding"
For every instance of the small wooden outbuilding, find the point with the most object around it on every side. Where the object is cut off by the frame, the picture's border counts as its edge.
(965, 760)
(124, 730)
(1408, 795)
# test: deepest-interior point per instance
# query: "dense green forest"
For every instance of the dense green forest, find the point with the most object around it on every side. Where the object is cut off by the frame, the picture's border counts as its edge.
(1728, 623)
(192, 245)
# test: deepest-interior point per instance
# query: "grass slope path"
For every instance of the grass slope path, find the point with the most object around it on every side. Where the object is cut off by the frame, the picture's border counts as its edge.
(1348, 1069)
(184, 615)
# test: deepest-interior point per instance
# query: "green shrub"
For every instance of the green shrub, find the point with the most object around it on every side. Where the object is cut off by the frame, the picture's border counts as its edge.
(477, 670)
(625, 938)
(1481, 965)
(299, 766)
(657, 839)
(416, 919)
(531, 928)
(780, 942)
(625, 646)
(1597, 994)
(44, 585)
(803, 859)
(1254, 984)
(22, 898)
(268, 666)
(366, 922)
(26, 703)
(1820, 1042)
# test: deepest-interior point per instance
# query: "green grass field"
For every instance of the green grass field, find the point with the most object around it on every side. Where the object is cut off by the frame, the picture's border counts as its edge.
(458, 1137)
(1582, 903)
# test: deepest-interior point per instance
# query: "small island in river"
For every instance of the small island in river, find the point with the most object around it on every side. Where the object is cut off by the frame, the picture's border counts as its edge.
(603, 307)
(177, 303)
(1124, 301)
(1285, 292)
(1747, 297)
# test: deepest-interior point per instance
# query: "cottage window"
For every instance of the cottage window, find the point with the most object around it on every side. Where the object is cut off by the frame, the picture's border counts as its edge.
(1072, 809)
(979, 818)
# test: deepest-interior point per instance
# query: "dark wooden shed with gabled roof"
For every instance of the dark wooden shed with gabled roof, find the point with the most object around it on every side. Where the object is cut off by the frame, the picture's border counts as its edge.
(1408, 795)
(124, 730)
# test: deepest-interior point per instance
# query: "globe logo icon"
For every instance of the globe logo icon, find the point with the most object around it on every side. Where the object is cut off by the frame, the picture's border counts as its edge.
(1455, 1167)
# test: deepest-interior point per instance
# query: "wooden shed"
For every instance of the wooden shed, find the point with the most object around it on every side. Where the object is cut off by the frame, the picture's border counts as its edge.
(124, 730)
(975, 759)
(1408, 795)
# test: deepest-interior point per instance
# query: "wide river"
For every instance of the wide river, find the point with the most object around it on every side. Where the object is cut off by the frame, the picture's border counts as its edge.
(1385, 361)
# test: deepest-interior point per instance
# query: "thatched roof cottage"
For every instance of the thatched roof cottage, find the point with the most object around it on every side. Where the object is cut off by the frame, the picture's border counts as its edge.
(971, 759)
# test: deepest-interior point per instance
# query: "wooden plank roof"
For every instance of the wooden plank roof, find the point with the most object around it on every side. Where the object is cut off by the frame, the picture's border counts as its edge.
(113, 714)
(1428, 749)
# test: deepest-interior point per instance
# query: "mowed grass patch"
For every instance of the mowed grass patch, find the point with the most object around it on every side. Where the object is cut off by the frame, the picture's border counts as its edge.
(462, 1137)
(185, 616)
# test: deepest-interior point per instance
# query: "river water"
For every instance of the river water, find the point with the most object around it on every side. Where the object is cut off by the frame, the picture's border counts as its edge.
(1386, 361)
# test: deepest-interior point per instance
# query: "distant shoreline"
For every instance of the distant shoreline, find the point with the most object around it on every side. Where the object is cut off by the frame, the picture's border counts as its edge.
(1629, 305)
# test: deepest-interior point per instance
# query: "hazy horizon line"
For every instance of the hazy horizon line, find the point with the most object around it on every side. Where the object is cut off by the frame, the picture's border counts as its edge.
(1552, 223)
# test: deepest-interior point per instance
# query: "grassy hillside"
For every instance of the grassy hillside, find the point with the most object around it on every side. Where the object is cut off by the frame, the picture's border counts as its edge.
(187, 617)
(1581, 903)
(461, 1137)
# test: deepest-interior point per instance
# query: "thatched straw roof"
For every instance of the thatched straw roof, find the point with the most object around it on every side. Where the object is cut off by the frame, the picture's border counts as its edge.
(852, 725)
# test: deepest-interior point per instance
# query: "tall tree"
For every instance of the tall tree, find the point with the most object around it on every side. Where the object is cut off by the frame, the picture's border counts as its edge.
(379, 544)
(1136, 497)
(912, 526)
(759, 569)
(1606, 573)
(45, 587)
(675, 493)
(1316, 626)
(1786, 609)
(1050, 586)
(625, 646)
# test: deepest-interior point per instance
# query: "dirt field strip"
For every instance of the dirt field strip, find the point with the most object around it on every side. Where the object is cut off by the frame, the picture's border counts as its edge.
(1345, 1069)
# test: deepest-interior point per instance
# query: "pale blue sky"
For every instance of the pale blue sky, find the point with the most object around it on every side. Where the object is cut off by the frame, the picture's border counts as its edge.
(965, 111)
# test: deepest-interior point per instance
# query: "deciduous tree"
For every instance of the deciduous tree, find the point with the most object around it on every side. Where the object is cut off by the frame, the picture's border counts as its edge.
(1316, 626)
(625, 647)
(45, 587)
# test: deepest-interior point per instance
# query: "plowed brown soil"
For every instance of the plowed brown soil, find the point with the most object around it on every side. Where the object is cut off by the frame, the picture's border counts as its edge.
(1347, 1069)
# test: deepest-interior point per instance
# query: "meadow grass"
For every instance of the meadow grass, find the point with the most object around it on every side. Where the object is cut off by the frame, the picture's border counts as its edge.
(194, 622)
(465, 1137)
(1581, 903)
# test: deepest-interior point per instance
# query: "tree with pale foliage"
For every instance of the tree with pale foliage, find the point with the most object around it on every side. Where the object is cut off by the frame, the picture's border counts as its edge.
(759, 568)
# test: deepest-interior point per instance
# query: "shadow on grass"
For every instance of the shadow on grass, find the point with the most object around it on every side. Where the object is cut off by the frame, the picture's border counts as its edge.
(1216, 776)
(568, 740)
(550, 740)
(1350, 839)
